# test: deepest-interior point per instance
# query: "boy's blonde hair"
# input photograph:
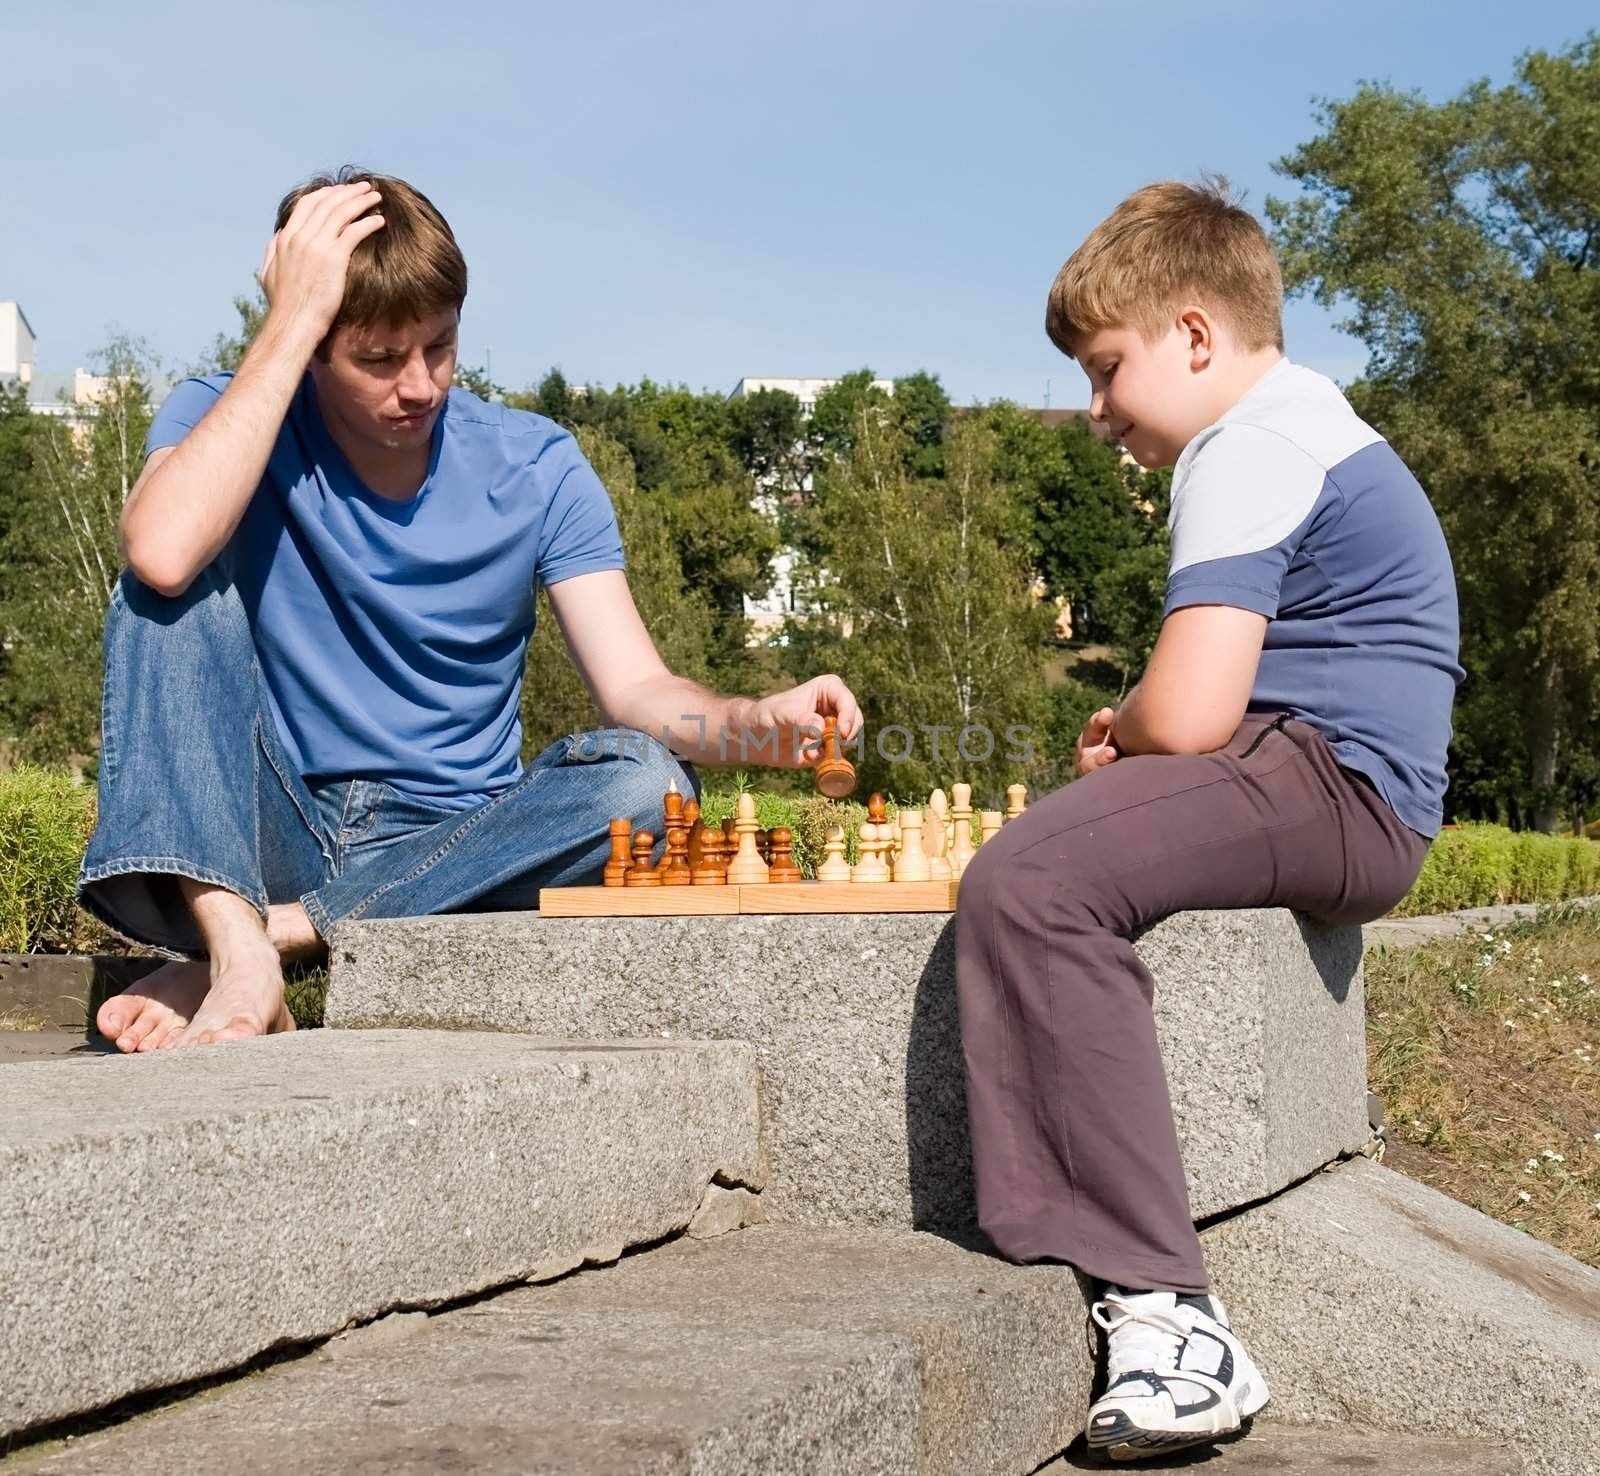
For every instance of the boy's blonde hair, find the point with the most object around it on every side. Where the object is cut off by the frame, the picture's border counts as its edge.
(1167, 244)
(409, 270)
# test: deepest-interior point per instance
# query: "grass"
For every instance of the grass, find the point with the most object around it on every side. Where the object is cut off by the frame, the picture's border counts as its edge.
(45, 823)
(1486, 1052)
(1486, 865)
(22, 1019)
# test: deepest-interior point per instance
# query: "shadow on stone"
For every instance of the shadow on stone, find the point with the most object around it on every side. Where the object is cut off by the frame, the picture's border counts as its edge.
(938, 1150)
(1336, 952)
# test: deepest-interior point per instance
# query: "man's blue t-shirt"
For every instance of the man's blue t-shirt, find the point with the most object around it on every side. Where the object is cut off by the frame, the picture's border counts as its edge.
(1292, 506)
(391, 634)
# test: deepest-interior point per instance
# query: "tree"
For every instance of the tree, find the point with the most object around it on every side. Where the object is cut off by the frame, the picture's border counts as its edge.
(227, 350)
(1465, 239)
(926, 607)
(555, 700)
(60, 559)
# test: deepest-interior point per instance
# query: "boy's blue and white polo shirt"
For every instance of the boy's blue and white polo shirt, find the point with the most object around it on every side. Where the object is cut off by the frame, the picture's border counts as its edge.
(1294, 507)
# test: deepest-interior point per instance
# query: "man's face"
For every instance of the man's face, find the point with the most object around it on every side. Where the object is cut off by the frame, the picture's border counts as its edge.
(386, 386)
(1148, 392)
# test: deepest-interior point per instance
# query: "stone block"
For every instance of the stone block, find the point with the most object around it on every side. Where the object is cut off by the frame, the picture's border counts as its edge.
(1372, 1300)
(773, 1352)
(854, 1019)
(166, 1217)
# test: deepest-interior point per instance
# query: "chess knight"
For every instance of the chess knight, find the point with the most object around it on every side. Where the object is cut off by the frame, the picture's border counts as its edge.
(315, 656)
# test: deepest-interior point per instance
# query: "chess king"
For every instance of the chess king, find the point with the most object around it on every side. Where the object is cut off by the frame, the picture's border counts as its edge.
(314, 659)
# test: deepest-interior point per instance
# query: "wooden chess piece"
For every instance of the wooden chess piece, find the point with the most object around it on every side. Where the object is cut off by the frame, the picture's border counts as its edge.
(834, 867)
(747, 868)
(782, 867)
(989, 822)
(835, 775)
(691, 826)
(961, 850)
(697, 841)
(616, 869)
(936, 839)
(675, 868)
(874, 837)
(911, 865)
(642, 873)
(1016, 800)
(764, 845)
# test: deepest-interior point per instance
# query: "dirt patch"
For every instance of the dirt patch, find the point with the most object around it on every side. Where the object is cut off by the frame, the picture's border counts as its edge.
(1486, 1052)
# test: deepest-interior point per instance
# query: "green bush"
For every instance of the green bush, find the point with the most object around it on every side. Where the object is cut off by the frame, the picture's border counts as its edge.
(1484, 865)
(45, 821)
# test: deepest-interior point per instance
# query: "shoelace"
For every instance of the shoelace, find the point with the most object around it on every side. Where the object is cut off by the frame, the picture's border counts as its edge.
(1141, 1339)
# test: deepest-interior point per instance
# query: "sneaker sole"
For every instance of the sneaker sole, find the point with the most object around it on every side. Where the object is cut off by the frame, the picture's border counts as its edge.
(1119, 1439)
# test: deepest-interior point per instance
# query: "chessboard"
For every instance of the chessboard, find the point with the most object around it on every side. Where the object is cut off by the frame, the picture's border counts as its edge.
(726, 901)
(911, 864)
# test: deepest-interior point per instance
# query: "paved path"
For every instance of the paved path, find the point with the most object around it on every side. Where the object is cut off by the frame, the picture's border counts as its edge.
(1402, 932)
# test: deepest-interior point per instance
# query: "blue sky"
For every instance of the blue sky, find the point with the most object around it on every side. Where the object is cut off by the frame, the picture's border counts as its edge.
(692, 193)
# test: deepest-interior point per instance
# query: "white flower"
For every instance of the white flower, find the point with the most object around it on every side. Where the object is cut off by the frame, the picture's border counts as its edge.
(1509, 1024)
(1524, 1196)
(1487, 937)
(1552, 1155)
(1583, 978)
(1533, 1163)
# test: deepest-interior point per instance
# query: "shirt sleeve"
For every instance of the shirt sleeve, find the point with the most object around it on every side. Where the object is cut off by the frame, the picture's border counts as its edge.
(1238, 519)
(183, 410)
(580, 534)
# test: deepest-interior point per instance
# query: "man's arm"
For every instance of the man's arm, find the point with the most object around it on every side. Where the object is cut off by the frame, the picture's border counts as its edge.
(189, 498)
(634, 689)
(1196, 687)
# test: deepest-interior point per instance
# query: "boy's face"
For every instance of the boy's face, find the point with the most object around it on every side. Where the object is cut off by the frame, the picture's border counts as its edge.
(386, 386)
(1149, 393)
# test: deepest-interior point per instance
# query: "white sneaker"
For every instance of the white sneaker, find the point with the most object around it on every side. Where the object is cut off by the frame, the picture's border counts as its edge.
(1177, 1376)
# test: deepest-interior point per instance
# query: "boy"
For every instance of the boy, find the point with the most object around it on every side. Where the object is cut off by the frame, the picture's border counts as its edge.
(1284, 748)
(314, 664)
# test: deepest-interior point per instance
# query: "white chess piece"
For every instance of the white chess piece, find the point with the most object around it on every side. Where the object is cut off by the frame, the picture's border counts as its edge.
(911, 865)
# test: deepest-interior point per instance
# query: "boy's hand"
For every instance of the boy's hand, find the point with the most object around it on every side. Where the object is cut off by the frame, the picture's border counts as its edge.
(1095, 750)
(304, 268)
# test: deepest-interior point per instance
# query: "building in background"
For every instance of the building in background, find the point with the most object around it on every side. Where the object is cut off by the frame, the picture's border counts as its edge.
(73, 396)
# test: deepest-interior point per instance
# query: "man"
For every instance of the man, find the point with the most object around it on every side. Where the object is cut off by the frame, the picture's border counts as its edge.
(314, 662)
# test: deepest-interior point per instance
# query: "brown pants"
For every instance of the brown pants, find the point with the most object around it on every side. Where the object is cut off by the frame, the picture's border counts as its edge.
(1073, 1143)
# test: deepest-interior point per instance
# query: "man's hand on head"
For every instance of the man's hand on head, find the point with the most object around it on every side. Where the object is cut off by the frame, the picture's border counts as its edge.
(303, 270)
(1095, 748)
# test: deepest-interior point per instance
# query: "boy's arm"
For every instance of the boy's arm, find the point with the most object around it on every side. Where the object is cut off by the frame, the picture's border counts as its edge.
(190, 497)
(1196, 687)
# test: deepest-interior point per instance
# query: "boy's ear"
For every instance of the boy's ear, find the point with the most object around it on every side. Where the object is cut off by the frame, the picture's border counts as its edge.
(1196, 325)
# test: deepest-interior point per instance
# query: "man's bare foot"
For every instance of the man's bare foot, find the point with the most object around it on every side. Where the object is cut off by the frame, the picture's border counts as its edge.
(152, 1011)
(245, 999)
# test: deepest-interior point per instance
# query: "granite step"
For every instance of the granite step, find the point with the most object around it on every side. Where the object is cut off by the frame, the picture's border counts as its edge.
(168, 1216)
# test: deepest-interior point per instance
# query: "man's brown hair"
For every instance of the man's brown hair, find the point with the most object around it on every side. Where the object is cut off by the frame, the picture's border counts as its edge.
(407, 271)
(1165, 245)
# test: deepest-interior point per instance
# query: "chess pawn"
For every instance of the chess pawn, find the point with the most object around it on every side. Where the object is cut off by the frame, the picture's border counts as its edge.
(697, 842)
(961, 849)
(710, 870)
(835, 775)
(642, 873)
(936, 839)
(693, 828)
(764, 845)
(747, 867)
(675, 868)
(1016, 800)
(874, 836)
(911, 865)
(616, 869)
(989, 822)
(834, 867)
(782, 867)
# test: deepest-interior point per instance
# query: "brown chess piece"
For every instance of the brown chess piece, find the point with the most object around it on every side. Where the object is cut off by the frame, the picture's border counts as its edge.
(696, 831)
(671, 809)
(642, 873)
(675, 868)
(782, 868)
(835, 775)
(711, 870)
(616, 869)
(764, 845)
